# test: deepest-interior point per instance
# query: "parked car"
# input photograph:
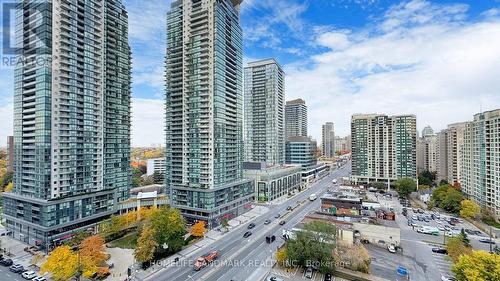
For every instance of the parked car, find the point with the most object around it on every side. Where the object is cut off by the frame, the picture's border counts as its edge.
(274, 278)
(391, 248)
(6, 262)
(309, 273)
(39, 278)
(487, 241)
(28, 275)
(282, 222)
(439, 251)
(267, 222)
(250, 226)
(448, 278)
(247, 234)
(16, 268)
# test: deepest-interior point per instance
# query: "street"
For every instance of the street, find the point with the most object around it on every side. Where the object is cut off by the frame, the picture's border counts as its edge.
(241, 259)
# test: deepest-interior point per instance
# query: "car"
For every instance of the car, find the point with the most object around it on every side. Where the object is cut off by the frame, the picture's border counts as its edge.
(309, 273)
(440, 251)
(277, 216)
(487, 241)
(414, 217)
(328, 277)
(6, 262)
(391, 248)
(282, 222)
(274, 278)
(441, 228)
(29, 275)
(267, 222)
(288, 208)
(16, 268)
(448, 278)
(250, 226)
(247, 234)
(39, 278)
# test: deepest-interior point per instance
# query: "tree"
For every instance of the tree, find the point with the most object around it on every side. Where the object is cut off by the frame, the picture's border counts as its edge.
(169, 227)
(451, 202)
(9, 187)
(456, 248)
(405, 186)
(92, 255)
(477, 266)
(158, 177)
(465, 239)
(378, 185)
(315, 244)
(469, 209)
(62, 263)
(198, 229)
(146, 245)
(282, 256)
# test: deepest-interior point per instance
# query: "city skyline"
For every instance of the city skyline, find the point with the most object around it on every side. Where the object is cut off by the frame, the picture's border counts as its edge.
(359, 90)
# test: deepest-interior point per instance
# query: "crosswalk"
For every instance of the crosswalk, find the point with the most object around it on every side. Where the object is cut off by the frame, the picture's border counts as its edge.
(443, 263)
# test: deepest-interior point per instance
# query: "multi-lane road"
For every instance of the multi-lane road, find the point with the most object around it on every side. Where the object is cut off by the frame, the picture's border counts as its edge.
(249, 258)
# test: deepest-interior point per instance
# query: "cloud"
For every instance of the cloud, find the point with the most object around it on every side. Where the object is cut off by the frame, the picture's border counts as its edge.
(277, 15)
(148, 122)
(435, 65)
(147, 34)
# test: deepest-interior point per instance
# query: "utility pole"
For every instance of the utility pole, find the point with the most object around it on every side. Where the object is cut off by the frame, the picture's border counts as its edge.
(491, 245)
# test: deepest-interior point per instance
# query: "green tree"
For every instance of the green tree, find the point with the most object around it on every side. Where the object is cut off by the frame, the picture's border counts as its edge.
(406, 186)
(378, 185)
(451, 202)
(477, 266)
(315, 244)
(170, 228)
(456, 248)
(158, 177)
(469, 209)
(146, 245)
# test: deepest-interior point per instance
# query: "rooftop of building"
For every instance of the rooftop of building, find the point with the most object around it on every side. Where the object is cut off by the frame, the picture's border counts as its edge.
(263, 62)
(375, 115)
(296, 101)
(342, 196)
(298, 139)
(159, 188)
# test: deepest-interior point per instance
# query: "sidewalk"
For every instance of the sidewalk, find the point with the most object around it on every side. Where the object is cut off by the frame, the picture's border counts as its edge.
(211, 237)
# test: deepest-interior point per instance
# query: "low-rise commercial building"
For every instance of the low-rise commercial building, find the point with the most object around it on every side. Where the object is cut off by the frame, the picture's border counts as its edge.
(274, 181)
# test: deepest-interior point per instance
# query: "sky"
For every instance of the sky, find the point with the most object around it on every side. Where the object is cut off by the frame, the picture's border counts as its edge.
(439, 60)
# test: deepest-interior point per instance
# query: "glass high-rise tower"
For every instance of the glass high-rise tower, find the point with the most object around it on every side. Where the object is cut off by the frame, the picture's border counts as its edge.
(265, 112)
(204, 110)
(71, 117)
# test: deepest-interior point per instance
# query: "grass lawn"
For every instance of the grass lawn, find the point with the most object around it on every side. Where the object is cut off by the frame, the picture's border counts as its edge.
(126, 242)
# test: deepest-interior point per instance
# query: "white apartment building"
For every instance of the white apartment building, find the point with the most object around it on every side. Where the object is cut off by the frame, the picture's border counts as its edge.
(155, 165)
(480, 156)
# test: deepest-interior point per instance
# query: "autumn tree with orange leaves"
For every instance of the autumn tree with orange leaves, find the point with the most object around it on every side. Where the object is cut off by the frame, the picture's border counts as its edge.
(198, 229)
(92, 255)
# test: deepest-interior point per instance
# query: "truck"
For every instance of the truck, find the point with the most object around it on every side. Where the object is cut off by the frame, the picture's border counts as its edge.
(205, 260)
(313, 197)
